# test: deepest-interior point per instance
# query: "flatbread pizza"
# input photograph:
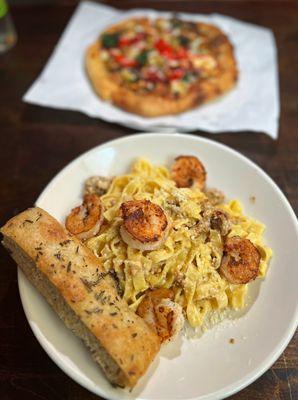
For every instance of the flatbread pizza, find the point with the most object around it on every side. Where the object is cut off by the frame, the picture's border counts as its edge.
(155, 67)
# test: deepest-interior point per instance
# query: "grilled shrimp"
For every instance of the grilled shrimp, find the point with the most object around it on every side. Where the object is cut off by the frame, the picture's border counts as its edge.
(162, 314)
(188, 171)
(85, 220)
(241, 260)
(145, 224)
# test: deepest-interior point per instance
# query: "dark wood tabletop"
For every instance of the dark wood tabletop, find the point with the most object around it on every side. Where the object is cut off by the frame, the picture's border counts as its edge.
(36, 142)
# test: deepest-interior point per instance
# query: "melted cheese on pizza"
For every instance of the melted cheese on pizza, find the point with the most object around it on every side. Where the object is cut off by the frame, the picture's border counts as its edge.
(167, 56)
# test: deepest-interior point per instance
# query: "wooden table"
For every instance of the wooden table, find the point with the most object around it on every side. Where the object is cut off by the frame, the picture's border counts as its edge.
(36, 142)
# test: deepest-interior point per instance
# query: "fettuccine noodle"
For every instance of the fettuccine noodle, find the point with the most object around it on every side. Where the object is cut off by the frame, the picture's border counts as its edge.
(189, 259)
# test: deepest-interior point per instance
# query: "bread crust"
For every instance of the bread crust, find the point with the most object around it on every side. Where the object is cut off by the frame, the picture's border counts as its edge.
(107, 86)
(87, 290)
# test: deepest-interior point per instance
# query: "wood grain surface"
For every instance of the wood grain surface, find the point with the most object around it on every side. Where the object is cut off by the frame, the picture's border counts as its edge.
(36, 142)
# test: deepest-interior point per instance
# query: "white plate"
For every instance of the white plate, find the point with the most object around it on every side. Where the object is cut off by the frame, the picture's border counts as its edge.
(209, 367)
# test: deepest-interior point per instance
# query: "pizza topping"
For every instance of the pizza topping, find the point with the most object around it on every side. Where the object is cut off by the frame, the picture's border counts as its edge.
(125, 41)
(184, 41)
(203, 61)
(178, 87)
(153, 74)
(176, 73)
(165, 49)
(125, 62)
(142, 58)
(110, 40)
(165, 55)
(129, 75)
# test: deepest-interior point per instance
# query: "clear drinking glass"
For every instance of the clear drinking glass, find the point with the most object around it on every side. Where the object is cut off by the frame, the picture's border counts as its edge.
(8, 36)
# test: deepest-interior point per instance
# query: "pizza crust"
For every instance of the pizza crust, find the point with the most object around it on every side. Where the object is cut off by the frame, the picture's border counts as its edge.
(152, 105)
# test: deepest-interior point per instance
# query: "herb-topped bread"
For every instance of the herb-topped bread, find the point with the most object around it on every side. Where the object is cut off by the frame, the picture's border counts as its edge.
(73, 282)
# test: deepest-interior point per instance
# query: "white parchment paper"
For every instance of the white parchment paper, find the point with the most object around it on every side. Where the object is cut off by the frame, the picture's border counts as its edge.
(253, 105)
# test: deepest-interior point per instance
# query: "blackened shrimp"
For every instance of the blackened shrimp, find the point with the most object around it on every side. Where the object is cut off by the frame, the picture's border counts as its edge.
(188, 171)
(145, 224)
(161, 313)
(241, 260)
(85, 220)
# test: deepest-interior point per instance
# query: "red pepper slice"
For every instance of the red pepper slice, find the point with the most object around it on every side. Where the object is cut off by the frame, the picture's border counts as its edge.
(164, 48)
(161, 45)
(167, 50)
(181, 53)
(123, 41)
(125, 62)
(177, 73)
